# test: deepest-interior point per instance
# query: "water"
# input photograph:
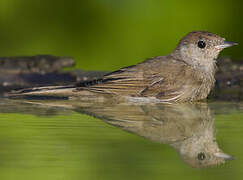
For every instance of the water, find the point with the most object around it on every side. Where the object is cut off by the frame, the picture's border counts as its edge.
(86, 140)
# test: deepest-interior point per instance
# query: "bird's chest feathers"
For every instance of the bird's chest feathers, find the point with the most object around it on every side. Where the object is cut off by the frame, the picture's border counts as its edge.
(205, 84)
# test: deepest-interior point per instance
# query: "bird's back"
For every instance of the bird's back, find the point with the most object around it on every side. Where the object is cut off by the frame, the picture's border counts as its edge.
(163, 77)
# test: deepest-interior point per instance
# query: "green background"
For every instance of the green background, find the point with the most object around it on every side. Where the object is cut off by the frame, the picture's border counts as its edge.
(107, 35)
(110, 34)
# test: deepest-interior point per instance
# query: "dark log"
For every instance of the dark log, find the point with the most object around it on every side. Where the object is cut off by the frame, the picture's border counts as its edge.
(229, 80)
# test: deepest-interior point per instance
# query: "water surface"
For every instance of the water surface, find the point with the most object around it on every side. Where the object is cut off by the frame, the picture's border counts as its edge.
(74, 140)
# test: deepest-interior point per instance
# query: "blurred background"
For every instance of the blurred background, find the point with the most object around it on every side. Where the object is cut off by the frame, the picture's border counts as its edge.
(107, 35)
(110, 34)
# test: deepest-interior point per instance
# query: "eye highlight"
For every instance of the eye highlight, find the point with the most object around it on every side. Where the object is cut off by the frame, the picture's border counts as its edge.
(201, 156)
(201, 44)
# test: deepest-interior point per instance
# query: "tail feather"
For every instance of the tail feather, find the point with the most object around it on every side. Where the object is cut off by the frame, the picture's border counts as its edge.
(55, 91)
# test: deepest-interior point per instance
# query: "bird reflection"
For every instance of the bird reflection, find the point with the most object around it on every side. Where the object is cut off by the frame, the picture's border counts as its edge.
(188, 128)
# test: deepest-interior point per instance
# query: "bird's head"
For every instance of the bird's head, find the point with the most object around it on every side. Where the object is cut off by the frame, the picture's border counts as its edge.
(201, 48)
(202, 151)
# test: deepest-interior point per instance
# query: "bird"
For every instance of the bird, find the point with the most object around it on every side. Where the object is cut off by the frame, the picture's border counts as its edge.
(184, 75)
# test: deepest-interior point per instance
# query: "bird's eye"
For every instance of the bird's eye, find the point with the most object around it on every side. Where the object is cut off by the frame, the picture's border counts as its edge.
(201, 156)
(201, 44)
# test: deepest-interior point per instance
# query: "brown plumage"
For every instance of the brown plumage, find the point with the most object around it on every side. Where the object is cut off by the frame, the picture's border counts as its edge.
(151, 79)
(187, 74)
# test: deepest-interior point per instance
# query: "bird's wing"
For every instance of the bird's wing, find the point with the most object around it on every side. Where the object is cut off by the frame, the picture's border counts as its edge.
(126, 81)
(155, 77)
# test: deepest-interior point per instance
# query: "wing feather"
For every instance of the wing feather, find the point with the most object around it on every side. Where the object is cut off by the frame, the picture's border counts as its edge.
(147, 79)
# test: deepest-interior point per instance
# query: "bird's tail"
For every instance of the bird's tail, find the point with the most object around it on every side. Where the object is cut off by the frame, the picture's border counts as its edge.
(48, 91)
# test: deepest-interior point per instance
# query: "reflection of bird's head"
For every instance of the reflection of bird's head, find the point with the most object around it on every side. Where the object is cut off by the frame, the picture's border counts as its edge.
(202, 152)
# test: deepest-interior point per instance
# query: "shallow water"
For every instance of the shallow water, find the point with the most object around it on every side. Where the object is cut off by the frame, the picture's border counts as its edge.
(73, 140)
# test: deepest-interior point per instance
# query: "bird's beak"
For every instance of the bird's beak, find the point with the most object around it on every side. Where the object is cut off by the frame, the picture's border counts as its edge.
(224, 156)
(226, 44)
